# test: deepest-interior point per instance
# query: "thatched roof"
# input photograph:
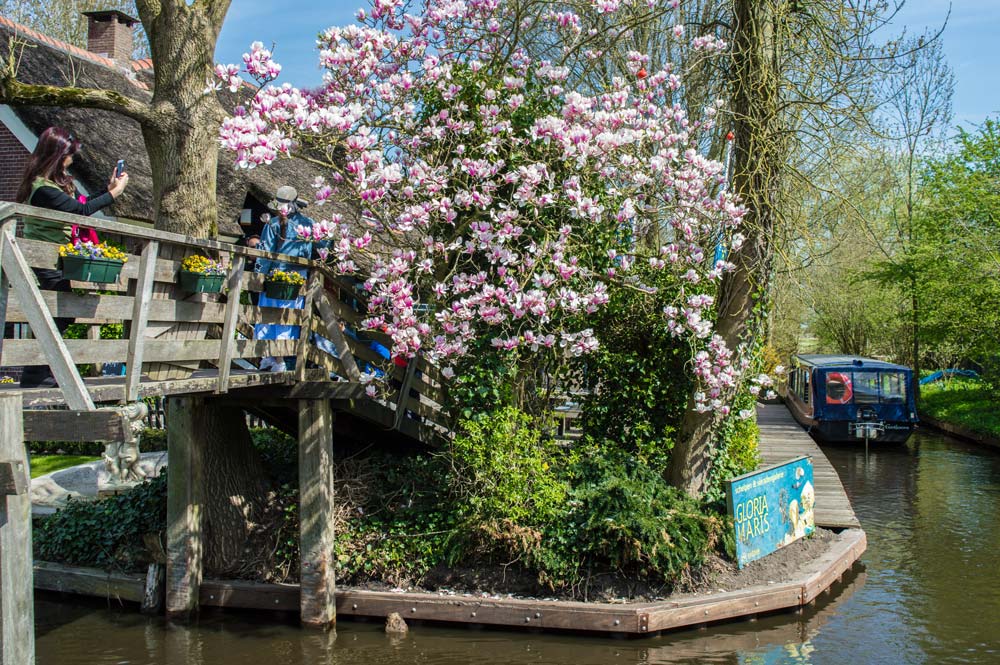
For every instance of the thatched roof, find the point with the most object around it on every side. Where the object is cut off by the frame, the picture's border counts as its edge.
(108, 137)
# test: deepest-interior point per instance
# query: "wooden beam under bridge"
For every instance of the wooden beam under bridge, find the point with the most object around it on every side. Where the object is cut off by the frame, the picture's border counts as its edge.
(102, 425)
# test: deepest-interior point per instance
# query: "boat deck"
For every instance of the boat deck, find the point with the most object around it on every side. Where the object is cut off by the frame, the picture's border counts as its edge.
(781, 439)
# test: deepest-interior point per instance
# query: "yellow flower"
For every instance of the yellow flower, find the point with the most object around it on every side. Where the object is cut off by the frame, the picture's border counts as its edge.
(89, 250)
(202, 265)
(286, 277)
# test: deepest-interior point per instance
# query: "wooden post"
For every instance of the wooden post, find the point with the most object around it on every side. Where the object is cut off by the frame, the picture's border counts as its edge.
(313, 287)
(4, 286)
(17, 612)
(184, 508)
(94, 332)
(317, 601)
(140, 318)
(232, 318)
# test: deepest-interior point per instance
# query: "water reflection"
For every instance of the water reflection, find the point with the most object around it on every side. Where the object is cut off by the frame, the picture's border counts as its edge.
(927, 592)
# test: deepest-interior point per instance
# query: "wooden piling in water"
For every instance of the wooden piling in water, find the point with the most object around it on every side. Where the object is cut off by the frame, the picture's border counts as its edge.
(17, 610)
(184, 507)
(317, 599)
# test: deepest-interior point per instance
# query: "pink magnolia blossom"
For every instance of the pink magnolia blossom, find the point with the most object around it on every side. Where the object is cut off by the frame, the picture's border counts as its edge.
(472, 223)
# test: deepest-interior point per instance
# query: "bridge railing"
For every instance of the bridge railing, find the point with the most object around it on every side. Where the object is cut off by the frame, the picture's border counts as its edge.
(172, 336)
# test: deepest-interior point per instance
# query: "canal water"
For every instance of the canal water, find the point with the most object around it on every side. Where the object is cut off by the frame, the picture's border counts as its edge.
(927, 591)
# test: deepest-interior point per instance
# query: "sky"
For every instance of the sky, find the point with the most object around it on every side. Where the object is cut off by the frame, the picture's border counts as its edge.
(970, 37)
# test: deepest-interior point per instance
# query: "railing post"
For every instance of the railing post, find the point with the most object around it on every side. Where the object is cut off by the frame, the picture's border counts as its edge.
(140, 319)
(17, 613)
(404, 391)
(231, 319)
(315, 285)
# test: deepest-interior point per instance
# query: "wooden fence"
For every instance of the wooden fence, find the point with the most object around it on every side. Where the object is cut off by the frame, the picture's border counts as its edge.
(178, 342)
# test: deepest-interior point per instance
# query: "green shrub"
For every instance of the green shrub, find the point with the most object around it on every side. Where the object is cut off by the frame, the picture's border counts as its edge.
(642, 374)
(501, 470)
(621, 515)
(106, 533)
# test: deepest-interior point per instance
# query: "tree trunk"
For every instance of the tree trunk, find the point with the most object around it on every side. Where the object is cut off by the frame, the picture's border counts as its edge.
(235, 486)
(758, 159)
(915, 314)
(183, 152)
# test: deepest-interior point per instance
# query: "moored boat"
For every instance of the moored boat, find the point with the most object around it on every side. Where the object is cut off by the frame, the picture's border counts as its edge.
(849, 398)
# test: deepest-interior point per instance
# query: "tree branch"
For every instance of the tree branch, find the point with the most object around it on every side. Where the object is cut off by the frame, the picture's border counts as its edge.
(15, 93)
(215, 10)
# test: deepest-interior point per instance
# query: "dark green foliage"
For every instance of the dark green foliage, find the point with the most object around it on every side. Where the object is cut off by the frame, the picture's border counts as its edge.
(398, 518)
(640, 368)
(484, 382)
(106, 533)
(621, 515)
(279, 452)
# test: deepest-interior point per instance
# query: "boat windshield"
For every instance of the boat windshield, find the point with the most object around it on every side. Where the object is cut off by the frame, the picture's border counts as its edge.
(893, 387)
(866, 387)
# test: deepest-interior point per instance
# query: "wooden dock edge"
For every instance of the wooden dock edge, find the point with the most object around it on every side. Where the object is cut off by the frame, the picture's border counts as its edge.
(627, 618)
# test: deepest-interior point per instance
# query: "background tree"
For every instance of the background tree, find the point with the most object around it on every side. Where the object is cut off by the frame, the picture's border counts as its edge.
(801, 77)
(179, 120)
(918, 107)
(958, 251)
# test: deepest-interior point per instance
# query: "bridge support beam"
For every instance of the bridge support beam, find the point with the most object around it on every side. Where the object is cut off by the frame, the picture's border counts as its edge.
(317, 600)
(185, 501)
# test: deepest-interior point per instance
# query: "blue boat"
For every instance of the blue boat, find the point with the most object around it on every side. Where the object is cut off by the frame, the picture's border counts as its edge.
(848, 398)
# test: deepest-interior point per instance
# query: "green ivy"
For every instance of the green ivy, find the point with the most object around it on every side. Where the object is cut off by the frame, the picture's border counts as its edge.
(106, 533)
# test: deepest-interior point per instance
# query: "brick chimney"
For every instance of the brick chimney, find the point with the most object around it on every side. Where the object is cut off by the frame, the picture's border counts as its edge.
(109, 33)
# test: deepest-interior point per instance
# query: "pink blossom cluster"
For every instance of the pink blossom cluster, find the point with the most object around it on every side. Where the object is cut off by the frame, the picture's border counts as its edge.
(494, 199)
(259, 64)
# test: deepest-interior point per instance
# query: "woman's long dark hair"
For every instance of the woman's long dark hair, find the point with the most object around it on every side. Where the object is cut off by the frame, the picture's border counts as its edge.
(54, 146)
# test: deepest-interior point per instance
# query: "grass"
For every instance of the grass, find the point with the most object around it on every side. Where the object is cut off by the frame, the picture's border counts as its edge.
(42, 464)
(969, 404)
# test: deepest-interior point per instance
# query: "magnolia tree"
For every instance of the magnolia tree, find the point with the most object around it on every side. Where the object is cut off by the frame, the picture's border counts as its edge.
(491, 201)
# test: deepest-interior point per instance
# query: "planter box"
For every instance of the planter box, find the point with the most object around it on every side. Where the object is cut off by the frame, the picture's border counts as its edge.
(281, 290)
(84, 269)
(196, 282)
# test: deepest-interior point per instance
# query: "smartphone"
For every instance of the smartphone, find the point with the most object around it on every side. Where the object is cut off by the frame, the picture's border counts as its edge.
(119, 168)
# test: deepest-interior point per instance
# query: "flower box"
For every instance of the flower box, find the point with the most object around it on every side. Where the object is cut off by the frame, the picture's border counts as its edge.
(86, 269)
(281, 290)
(196, 282)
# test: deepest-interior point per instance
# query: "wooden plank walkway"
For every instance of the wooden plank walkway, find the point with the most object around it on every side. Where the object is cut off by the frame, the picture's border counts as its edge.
(781, 439)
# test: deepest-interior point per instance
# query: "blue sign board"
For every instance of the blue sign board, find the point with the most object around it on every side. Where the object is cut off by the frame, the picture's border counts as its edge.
(771, 507)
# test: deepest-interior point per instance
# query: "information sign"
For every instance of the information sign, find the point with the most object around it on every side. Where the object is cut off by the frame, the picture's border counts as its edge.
(771, 507)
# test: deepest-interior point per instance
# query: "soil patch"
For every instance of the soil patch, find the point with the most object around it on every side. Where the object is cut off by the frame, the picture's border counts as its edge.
(715, 576)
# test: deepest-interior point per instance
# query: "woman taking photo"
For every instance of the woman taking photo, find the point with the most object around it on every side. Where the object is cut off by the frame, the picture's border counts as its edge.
(47, 184)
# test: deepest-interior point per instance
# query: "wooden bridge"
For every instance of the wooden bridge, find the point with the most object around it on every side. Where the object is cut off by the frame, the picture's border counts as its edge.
(199, 351)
